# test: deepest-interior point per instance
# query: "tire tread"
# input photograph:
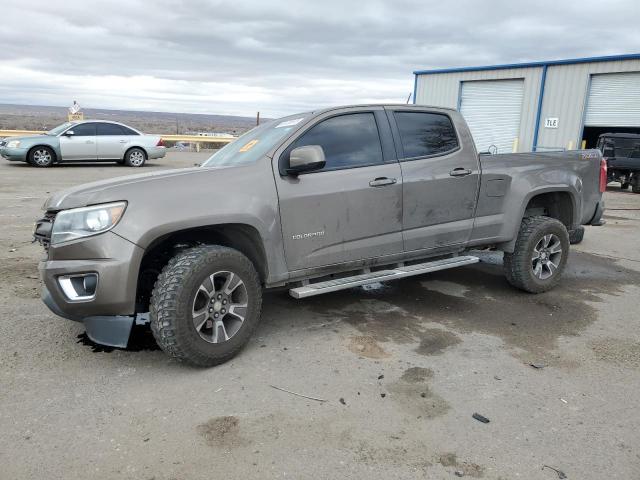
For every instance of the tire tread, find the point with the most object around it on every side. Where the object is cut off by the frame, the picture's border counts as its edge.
(517, 265)
(164, 301)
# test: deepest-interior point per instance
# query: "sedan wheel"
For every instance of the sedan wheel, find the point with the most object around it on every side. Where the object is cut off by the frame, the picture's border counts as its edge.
(135, 157)
(41, 157)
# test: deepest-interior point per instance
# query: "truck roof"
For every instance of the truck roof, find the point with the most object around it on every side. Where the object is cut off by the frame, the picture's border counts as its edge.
(396, 105)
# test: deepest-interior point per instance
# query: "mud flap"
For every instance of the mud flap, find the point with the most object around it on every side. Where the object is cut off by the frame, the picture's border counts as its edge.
(112, 331)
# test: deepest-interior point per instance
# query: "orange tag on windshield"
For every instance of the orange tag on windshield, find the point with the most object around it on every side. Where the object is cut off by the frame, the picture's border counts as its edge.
(248, 146)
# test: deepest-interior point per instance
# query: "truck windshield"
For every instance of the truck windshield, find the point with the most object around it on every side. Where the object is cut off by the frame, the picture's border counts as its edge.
(254, 144)
(59, 129)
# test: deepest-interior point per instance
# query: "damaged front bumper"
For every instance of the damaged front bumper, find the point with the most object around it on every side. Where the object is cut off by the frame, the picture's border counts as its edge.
(113, 330)
(108, 311)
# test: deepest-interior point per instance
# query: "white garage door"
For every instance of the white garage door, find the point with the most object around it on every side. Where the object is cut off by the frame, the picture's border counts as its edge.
(493, 108)
(614, 100)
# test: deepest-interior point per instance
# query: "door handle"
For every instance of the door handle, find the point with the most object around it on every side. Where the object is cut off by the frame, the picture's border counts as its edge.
(382, 181)
(88, 141)
(123, 141)
(460, 172)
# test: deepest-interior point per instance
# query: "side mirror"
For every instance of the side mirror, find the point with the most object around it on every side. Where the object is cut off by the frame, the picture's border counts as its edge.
(306, 159)
(69, 133)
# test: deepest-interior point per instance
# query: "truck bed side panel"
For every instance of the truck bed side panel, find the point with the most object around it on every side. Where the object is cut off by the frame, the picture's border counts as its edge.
(510, 181)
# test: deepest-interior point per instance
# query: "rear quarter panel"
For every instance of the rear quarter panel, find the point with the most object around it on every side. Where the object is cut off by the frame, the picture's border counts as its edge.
(510, 181)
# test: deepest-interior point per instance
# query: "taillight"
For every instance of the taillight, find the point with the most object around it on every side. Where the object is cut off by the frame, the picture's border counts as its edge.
(160, 143)
(603, 175)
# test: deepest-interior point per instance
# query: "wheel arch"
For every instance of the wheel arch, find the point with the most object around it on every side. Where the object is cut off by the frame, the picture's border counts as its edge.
(556, 202)
(242, 237)
(139, 147)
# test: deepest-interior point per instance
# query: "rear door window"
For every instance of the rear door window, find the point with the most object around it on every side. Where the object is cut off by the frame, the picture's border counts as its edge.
(425, 134)
(110, 129)
(348, 141)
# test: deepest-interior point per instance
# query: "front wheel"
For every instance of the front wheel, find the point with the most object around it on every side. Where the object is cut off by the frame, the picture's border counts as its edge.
(41, 157)
(540, 255)
(205, 305)
(135, 157)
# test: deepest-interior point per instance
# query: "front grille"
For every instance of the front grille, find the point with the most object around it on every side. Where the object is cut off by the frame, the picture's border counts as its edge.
(42, 230)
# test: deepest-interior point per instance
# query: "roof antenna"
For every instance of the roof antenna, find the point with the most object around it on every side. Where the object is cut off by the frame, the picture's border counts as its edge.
(408, 98)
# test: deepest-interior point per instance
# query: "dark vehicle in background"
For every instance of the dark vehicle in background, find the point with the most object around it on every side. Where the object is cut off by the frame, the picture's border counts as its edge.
(622, 153)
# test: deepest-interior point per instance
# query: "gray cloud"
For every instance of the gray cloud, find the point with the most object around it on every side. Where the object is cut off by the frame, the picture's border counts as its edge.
(280, 57)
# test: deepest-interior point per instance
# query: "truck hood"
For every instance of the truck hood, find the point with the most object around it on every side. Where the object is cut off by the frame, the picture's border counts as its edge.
(114, 189)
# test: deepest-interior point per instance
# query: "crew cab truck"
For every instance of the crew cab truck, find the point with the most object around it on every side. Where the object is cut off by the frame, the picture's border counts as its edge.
(316, 202)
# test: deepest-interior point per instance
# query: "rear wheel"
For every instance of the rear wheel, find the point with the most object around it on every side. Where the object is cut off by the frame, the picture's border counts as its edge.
(41, 157)
(540, 255)
(135, 157)
(205, 305)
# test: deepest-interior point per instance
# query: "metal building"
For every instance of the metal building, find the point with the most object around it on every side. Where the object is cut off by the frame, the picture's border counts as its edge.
(559, 104)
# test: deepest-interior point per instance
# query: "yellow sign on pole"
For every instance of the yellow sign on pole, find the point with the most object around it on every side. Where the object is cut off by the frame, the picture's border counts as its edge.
(75, 117)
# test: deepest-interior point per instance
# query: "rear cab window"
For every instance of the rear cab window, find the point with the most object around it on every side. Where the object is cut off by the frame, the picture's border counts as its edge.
(425, 134)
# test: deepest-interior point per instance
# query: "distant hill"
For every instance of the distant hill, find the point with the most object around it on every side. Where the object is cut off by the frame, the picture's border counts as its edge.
(35, 117)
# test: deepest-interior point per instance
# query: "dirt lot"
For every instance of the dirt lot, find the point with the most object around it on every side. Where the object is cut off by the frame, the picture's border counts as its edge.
(403, 368)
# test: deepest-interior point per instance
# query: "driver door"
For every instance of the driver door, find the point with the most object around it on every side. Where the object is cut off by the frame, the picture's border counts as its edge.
(351, 209)
(81, 144)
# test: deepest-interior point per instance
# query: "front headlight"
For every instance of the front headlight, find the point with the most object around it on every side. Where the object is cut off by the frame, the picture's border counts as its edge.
(86, 221)
(13, 144)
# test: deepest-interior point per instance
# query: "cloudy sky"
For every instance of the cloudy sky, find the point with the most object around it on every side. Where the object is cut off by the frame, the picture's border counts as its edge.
(205, 56)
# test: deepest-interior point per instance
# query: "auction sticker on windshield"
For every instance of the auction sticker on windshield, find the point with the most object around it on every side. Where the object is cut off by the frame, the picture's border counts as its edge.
(248, 146)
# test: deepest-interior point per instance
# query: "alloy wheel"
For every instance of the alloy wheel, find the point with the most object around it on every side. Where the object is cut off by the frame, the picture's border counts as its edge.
(42, 157)
(546, 257)
(220, 307)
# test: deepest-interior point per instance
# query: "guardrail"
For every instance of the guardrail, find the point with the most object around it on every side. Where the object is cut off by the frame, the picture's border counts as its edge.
(197, 139)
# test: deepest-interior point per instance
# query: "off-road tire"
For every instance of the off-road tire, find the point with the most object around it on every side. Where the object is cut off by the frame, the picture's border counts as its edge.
(518, 265)
(135, 157)
(172, 302)
(576, 236)
(624, 186)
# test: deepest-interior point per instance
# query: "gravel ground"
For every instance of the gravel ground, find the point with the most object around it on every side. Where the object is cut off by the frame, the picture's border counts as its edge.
(402, 366)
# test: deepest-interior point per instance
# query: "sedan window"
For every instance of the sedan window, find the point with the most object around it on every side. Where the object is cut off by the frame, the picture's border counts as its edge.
(110, 129)
(84, 130)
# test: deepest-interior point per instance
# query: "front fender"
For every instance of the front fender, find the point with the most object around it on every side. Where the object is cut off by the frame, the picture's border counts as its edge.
(205, 197)
(44, 140)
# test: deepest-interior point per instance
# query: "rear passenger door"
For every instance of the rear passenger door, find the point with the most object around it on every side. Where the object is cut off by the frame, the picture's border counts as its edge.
(112, 141)
(351, 209)
(440, 179)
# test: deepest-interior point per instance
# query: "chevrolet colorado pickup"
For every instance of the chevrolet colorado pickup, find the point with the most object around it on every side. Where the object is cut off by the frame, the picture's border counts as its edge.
(316, 202)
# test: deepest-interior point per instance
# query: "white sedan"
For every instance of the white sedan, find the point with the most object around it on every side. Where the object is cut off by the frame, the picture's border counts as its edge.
(89, 140)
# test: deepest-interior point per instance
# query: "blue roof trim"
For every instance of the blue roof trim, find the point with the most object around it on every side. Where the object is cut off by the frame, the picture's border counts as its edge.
(608, 58)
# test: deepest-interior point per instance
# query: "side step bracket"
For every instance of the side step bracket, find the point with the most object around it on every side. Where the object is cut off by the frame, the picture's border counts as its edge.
(319, 288)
